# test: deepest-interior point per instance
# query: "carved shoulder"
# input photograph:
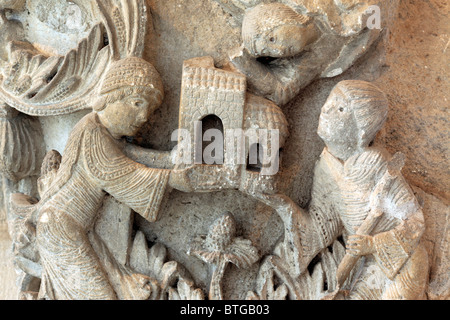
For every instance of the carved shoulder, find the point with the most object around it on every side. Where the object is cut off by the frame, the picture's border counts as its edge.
(104, 159)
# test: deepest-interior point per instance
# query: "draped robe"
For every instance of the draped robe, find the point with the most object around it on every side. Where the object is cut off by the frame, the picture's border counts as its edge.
(92, 165)
(339, 204)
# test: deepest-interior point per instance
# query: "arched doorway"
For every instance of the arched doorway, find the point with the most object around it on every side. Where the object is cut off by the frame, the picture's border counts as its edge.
(212, 140)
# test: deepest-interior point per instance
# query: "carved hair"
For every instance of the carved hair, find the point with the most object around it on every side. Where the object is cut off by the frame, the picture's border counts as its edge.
(266, 17)
(129, 76)
(155, 97)
(369, 105)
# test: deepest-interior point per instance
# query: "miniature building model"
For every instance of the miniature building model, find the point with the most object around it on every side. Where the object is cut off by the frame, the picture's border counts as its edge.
(99, 219)
(218, 99)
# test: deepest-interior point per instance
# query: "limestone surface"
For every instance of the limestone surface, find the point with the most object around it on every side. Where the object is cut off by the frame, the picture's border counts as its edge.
(140, 140)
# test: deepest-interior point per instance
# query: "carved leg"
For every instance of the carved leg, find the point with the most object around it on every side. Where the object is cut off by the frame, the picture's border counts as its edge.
(71, 269)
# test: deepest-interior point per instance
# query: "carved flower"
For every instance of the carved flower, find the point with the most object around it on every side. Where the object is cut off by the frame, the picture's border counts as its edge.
(220, 247)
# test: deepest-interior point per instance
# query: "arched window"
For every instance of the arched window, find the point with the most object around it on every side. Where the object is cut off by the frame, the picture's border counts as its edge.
(212, 140)
(255, 153)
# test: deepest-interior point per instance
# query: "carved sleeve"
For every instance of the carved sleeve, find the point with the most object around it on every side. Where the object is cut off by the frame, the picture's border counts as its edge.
(326, 202)
(139, 187)
(322, 222)
(394, 247)
(296, 247)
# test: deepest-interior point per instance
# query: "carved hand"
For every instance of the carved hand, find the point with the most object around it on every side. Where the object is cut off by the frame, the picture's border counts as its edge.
(179, 180)
(276, 201)
(239, 57)
(360, 245)
(257, 74)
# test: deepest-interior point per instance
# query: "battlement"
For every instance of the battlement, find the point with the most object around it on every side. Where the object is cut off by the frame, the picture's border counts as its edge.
(206, 90)
(200, 73)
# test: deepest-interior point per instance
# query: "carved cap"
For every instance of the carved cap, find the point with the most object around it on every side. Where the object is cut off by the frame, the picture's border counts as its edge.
(132, 72)
(267, 16)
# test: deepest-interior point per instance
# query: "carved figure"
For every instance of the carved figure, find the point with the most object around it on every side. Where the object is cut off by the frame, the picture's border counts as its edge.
(288, 45)
(21, 135)
(94, 164)
(352, 116)
(276, 30)
(9, 30)
(34, 83)
(351, 181)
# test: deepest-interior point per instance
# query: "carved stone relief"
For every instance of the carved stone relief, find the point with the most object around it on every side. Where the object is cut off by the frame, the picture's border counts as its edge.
(211, 215)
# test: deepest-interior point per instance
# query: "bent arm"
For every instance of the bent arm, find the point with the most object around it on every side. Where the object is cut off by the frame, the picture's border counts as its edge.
(132, 183)
(259, 76)
(149, 157)
(395, 246)
(280, 81)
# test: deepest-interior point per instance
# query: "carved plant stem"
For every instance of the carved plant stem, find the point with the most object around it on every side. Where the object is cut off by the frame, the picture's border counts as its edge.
(215, 289)
(221, 247)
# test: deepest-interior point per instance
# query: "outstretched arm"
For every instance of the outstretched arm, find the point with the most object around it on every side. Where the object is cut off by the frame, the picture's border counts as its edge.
(299, 232)
(149, 157)
(280, 81)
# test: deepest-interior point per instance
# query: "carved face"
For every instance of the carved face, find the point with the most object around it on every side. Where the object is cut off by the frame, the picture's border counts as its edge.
(126, 116)
(280, 42)
(337, 126)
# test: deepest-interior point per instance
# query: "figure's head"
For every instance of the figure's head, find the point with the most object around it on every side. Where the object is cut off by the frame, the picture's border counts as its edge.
(131, 91)
(352, 116)
(276, 30)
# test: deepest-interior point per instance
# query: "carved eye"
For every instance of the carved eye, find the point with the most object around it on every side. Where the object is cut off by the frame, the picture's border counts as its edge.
(137, 103)
(272, 39)
(341, 109)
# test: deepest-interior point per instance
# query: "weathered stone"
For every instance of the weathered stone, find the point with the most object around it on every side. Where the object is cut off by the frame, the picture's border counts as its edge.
(114, 227)
(125, 209)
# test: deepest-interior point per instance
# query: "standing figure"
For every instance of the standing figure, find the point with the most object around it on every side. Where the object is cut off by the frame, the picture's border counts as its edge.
(93, 164)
